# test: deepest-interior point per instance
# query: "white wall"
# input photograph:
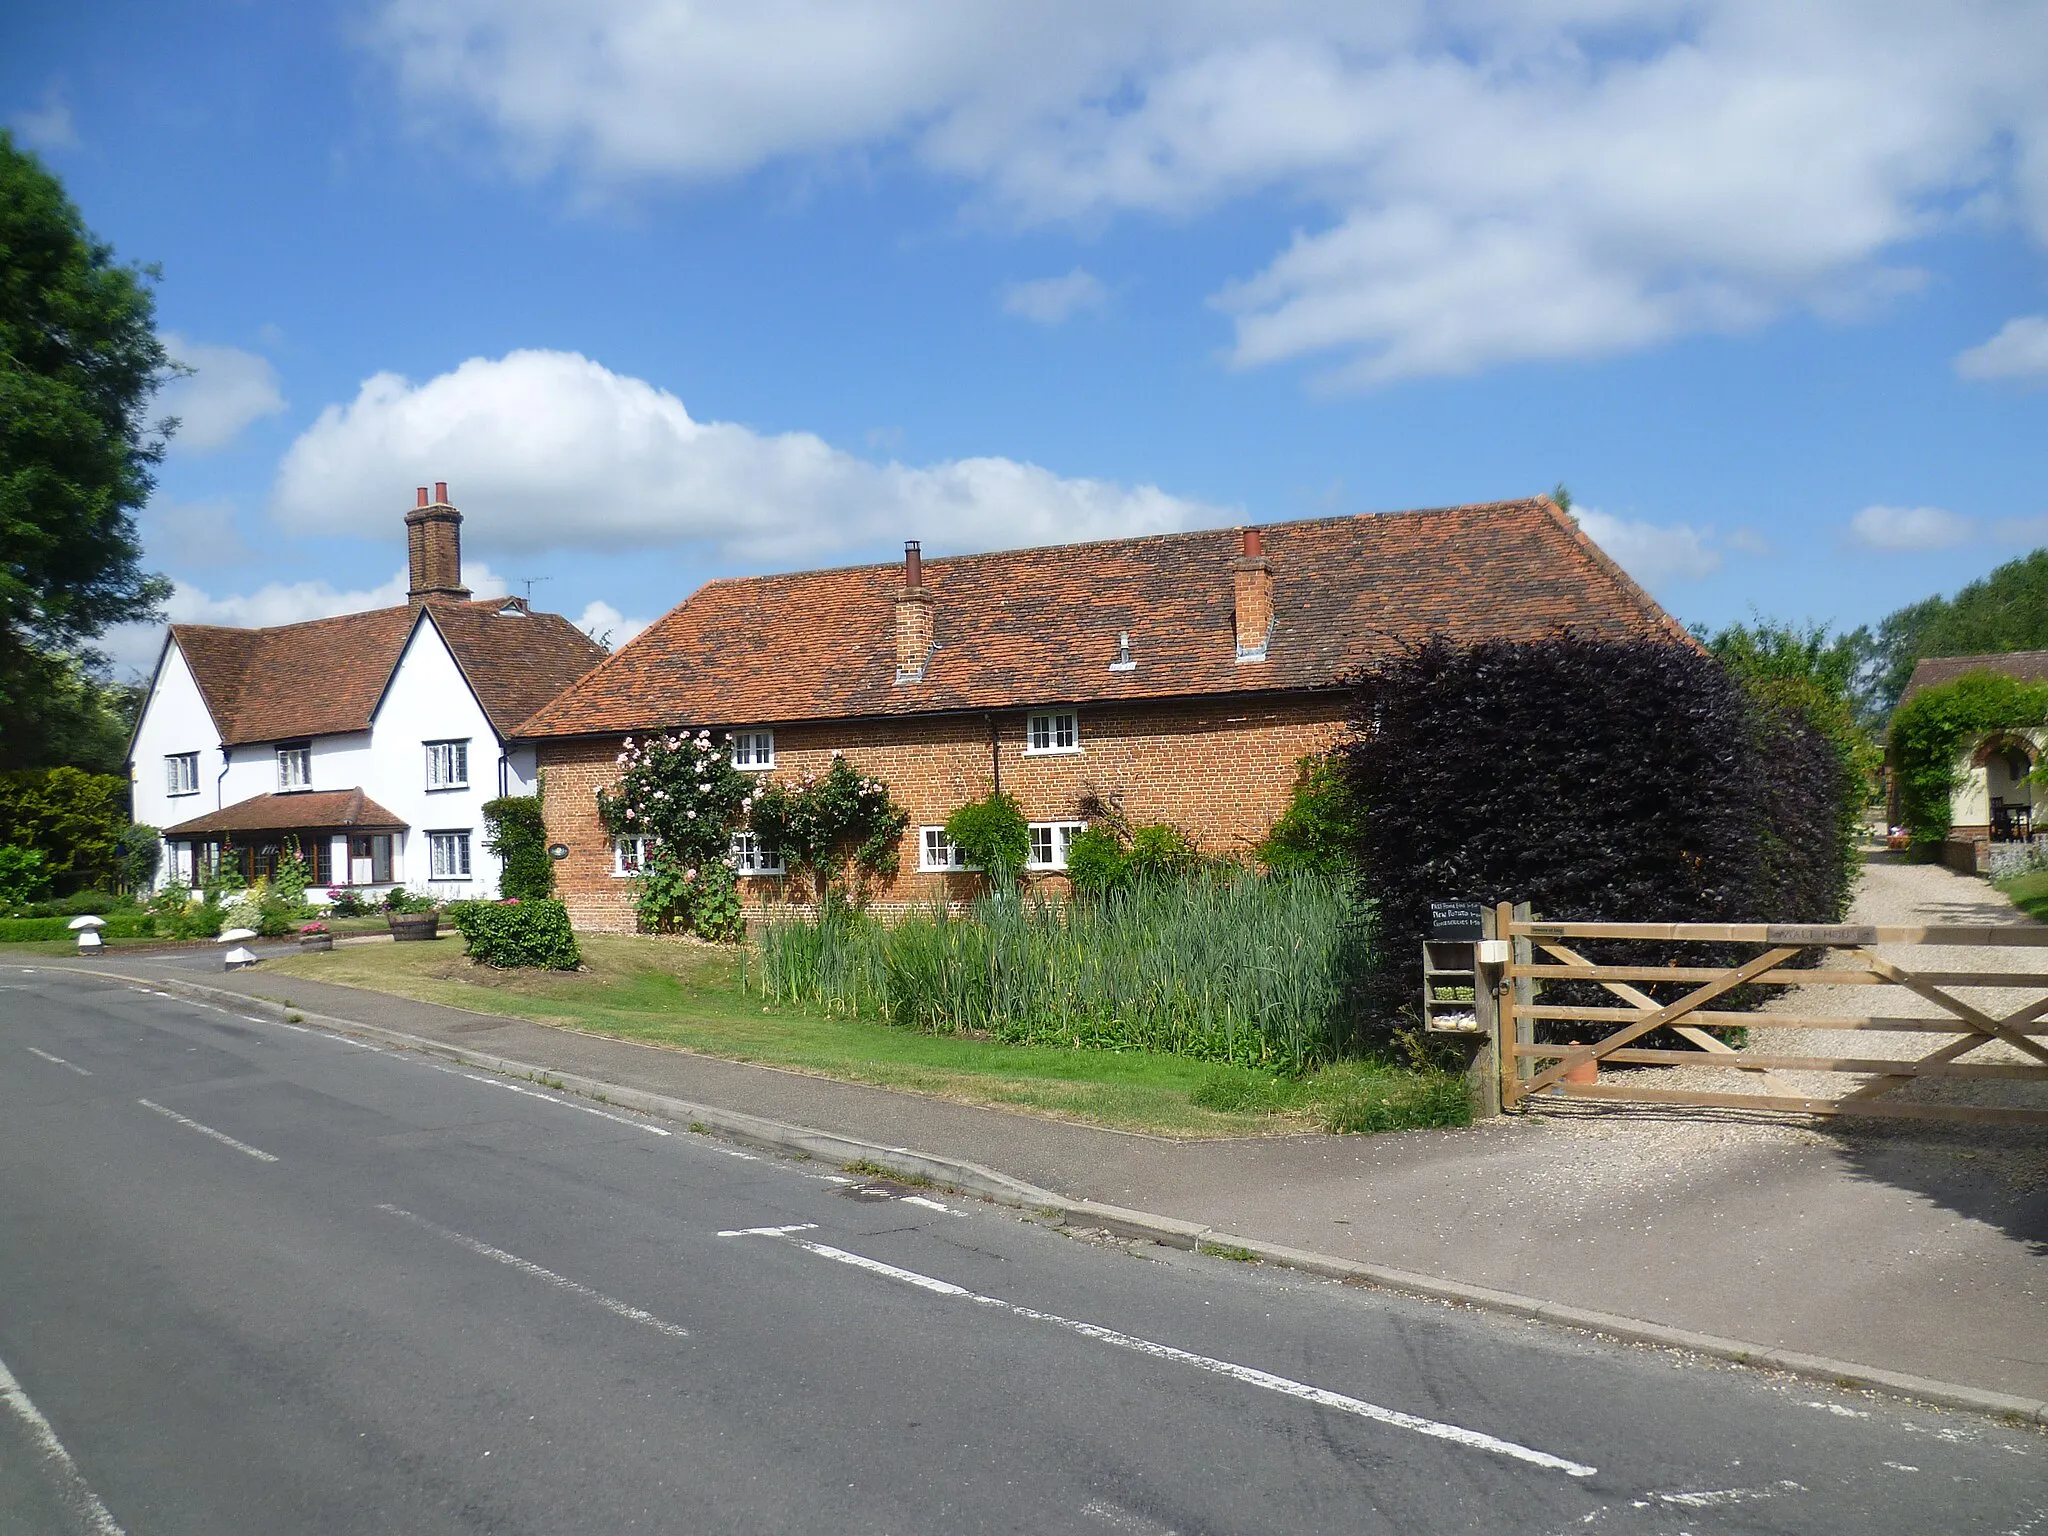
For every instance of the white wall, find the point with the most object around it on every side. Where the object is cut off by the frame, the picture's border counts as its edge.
(427, 700)
(174, 720)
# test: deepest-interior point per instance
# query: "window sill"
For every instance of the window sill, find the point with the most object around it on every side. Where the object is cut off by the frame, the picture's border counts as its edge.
(295, 789)
(1051, 752)
(180, 794)
(753, 767)
(442, 789)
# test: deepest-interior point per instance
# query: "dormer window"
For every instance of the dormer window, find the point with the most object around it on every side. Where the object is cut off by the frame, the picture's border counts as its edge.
(294, 766)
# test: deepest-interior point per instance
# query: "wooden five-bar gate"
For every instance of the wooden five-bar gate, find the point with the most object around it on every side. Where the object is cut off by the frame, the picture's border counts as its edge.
(1520, 957)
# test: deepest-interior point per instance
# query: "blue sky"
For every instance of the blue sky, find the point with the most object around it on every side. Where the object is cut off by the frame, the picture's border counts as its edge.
(669, 291)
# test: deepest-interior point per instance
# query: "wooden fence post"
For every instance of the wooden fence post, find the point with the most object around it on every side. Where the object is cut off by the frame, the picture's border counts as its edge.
(1483, 1075)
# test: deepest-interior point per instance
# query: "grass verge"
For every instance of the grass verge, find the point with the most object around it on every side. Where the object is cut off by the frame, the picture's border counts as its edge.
(2029, 893)
(689, 997)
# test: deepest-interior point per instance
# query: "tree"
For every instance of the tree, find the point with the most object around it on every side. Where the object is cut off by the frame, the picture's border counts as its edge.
(2005, 611)
(79, 362)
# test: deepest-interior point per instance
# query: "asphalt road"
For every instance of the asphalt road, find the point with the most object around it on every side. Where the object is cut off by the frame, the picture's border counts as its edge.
(257, 1278)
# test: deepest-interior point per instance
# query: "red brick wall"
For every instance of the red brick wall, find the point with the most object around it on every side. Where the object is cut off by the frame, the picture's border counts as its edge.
(1221, 768)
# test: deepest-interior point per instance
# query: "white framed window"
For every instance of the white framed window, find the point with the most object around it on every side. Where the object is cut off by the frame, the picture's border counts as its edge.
(753, 751)
(1049, 842)
(181, 773)
(750, 858)
(295, 766)
(1051, 730)
(449, 853)
(447, 764)
(629, 855)
(934, 852)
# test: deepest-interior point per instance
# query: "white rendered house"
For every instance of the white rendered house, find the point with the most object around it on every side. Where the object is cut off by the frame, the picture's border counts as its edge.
(369, 741)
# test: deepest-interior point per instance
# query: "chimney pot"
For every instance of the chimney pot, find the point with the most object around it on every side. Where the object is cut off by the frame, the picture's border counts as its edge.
(441, 492)
(913, 618)
(422, 501)
(1252, 576)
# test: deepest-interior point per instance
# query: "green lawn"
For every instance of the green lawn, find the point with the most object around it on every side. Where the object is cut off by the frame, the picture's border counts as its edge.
(689, 997)
(2029, 893)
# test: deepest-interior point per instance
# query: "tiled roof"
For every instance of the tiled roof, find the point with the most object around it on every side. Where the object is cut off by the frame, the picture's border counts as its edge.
(316, 810)
(327, 675)
(1041, 625)
(1932, 671)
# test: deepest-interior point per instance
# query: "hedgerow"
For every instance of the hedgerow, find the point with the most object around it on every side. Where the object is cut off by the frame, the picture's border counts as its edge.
(1595, 779)
(516, 831)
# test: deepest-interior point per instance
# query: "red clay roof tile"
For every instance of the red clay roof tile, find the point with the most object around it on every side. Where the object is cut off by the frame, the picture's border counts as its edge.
(1041, 625)
(327, 675)
(317, 810)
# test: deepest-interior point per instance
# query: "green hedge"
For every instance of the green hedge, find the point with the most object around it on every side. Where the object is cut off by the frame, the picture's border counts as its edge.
(517, 832)
(36, 930)
(517, 934)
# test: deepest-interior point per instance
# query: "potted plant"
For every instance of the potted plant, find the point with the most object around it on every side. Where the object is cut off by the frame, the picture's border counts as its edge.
(315, 936)
(411, 917)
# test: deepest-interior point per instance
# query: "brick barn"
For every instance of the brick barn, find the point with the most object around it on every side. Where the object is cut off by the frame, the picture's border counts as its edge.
(1180, 678)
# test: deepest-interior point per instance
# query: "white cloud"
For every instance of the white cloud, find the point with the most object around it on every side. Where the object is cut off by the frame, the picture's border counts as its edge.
(48, 126)
(227, 391)
(135, 646)
(1906, 528)
(1049, 300)
(1480, 181)
(2018, 351)
(551, 450)
(602, 622)
(1654, 553)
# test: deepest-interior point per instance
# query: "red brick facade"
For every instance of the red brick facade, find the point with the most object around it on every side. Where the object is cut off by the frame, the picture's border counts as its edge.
(1222, 768)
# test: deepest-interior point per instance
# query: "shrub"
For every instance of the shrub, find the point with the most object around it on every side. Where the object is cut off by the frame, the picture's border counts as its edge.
(344, 902)
(516, 831)
(75, 819)
(399, 899)
(517, 934)
(288, 881)
(704, 900)
(841, 827)
(138, 851)
(1096, 862)
(1162, 852)
(1241, 969)
(263, 908)
(992, 835)
(22, 876)
(1629, 779)
(682, 794)
(1930, 732)
(1319, 831)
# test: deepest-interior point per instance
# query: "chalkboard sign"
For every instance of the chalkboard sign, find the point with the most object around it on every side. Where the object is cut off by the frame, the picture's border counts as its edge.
(1454, 922)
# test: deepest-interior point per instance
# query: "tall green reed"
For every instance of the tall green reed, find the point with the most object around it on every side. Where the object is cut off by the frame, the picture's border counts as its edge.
(1237, 968)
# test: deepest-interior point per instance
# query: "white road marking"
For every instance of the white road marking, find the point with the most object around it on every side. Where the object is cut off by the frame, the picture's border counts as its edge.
(549, 1098)
(802, 1226)
(1320, 1397)
(77, 1497)
(528, 1267)
(60, 1061)
(206, 1130)
(930, 1205)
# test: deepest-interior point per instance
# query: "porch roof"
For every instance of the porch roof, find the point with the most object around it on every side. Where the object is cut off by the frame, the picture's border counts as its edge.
(318, 810)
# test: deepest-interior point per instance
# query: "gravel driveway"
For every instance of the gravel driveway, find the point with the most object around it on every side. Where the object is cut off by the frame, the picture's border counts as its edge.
(1890, 893)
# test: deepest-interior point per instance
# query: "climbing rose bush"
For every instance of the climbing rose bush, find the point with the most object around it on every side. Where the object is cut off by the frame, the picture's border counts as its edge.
(680, 791)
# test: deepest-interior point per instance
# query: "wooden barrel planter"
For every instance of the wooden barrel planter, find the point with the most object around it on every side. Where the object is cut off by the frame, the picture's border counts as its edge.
(316, 941)
(408, 926)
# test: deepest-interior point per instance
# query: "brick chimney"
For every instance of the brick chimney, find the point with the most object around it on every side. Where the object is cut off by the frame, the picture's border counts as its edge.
(913, 618)
(1253, 574)
(433, 548)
